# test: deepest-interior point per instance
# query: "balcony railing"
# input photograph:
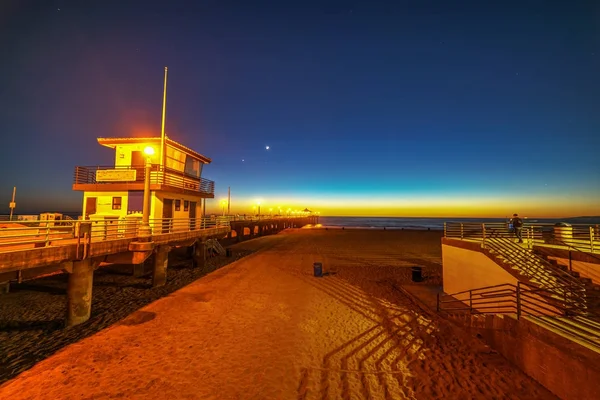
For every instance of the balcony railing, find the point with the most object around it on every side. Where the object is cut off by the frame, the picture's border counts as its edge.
(136, 174)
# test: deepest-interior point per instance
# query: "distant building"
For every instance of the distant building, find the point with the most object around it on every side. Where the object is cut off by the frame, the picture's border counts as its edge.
(116, 192)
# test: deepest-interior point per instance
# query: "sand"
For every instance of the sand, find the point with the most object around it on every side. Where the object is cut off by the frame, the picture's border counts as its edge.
(265, 328)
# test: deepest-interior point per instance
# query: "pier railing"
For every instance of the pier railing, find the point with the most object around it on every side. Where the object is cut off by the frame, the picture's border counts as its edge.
(88, 175)
(585, 237)
(20, 235)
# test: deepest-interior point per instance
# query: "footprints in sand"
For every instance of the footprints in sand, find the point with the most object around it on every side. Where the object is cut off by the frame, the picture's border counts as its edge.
(405, 354)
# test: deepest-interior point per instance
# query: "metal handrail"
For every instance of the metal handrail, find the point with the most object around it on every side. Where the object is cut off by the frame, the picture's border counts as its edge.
(577, 249)
(534, 267)
(159, 175)
(583, 235)
(49, 233)
(524, 299)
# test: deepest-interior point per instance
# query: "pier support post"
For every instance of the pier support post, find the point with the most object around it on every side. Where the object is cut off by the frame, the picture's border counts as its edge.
(200, 254)
(139, 270)
(4, 287)
(161, 261)
(79, 292)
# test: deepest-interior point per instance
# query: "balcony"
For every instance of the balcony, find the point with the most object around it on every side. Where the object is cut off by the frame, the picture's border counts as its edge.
(116, 178)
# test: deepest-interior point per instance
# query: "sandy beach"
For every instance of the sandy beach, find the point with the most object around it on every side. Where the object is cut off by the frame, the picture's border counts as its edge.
(264, 327)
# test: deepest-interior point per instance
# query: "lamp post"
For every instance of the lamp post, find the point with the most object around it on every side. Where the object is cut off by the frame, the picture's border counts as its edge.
(145, 228)
(258, 204)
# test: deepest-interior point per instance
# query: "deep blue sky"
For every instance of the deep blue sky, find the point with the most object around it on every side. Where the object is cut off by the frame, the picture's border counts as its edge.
(366, 105)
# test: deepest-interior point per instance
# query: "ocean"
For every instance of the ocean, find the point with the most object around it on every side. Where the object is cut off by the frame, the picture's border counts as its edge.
(434, 223)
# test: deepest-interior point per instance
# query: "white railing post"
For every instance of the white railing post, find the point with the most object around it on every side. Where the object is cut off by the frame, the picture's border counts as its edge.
(483, 234)
(461, 230)
(445, 230)
(47, 235)
(592, 239)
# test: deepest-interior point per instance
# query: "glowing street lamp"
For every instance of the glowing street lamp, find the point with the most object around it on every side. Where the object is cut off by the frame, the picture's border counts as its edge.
(145, 228)
(224, 204)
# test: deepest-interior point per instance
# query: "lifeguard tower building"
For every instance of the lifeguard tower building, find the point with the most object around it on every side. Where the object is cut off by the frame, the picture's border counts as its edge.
(176, 186)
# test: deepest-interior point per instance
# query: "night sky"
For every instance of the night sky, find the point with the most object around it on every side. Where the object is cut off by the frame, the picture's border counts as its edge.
(408, 108)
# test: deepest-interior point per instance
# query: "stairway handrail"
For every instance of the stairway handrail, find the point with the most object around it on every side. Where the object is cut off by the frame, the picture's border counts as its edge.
(511, 246)
(514, 295)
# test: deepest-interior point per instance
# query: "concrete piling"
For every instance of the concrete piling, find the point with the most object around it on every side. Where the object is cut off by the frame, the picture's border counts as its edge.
(139, 270)
(199, 254)
(79, 293)
(161, 261)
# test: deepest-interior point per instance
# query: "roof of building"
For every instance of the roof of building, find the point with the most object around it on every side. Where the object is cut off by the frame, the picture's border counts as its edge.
(113, 142)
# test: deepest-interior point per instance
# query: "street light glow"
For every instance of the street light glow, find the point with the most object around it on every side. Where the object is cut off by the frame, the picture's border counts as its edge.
(149, 150)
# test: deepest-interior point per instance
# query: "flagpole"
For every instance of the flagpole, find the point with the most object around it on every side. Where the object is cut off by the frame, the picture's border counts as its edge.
(162, 128)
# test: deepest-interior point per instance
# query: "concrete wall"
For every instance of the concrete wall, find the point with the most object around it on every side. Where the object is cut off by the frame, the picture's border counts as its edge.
(123, 153)
(158, 201)
(104, 202)
(568, 369)
(466, 269)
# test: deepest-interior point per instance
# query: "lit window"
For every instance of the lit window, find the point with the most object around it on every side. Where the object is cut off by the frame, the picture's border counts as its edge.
(177, 205)
(186, 205)
(116, 203)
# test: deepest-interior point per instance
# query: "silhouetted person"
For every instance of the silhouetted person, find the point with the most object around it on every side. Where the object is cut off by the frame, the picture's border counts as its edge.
(517, 224)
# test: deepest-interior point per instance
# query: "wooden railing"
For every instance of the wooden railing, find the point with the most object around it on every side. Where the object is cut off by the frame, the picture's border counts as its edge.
(158, 176)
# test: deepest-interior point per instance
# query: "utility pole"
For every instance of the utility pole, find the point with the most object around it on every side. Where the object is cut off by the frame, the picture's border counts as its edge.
(12, 204)
(162, 125)
(229, 200)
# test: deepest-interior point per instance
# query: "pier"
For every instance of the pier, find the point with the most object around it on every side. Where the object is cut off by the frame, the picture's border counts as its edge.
(30, 249)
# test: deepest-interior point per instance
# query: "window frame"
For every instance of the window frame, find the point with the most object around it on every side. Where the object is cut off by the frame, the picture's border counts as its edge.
(117, 205)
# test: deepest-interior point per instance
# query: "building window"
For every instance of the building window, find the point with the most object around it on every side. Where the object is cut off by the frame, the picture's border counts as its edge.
(186, 205)
(116, 203)
(177, 205)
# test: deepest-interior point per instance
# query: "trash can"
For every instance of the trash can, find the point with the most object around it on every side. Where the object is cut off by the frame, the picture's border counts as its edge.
(417, 274)
(318, 269)
(563, 232)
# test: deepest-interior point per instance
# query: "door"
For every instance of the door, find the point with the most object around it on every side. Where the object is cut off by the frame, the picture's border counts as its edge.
(192, 215)
(90, 206)
(138, 162)
(167, 214)
(135, 202)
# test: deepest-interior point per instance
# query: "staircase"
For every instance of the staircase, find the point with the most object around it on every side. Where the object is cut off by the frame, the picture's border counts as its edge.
(565, 286)
(592, 290)
(214, 246)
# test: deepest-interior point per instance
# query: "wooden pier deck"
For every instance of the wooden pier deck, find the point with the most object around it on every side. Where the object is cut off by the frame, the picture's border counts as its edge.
(34, 248)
